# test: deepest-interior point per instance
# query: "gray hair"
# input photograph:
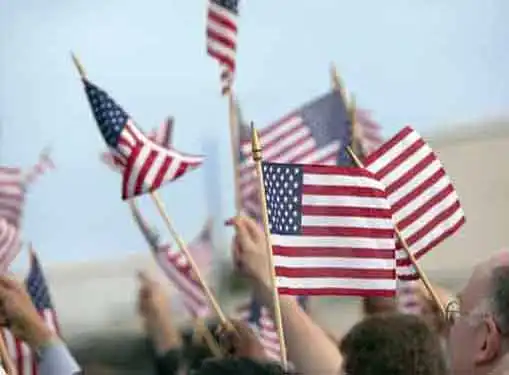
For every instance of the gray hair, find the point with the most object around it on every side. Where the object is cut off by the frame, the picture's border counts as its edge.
(499, 299)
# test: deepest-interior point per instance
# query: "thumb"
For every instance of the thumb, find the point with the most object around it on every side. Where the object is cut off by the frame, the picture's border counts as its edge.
(144, 278)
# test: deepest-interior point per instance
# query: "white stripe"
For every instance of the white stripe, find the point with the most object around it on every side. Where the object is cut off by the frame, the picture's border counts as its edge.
(331, 149)
(343, 201)
(153, 171)
(392, 153)
(340, 181)
(221, 49)
(135, 170)
(225, 32)
(334, 262)
(332, 282)
(333, 241)
(223, 12)
(418, 179)
(347, 222)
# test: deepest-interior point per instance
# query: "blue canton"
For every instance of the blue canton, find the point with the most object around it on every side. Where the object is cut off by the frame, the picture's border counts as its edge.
(328, 120)
(283, 191)
(37, 287)
(110, 117)
(231, 5)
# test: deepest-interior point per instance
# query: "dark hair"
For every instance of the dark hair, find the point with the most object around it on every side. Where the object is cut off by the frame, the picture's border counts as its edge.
(378, 305)
(395, 344)
(238, 366)
(500, 297)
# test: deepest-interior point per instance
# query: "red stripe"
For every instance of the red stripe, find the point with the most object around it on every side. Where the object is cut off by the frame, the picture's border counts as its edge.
(401, 158)
(346, 273)
(426, 207)
(220, 38)
(128, 170)
(338, 252)
(269, 129)
(222, 58)
(389, 145)
(142, 173)
(417, 191)
(336, 170)
(355, 191)
(226, 22)
(373, 233)
(338, 292)
(161, 173)
(337, 211)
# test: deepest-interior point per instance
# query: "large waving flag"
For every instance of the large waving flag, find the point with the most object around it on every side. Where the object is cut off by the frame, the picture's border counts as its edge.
(161, 136)
(145, 165)
(10, 244)
(176, 267)
(425, 205)
(331, 230)
(43, 165)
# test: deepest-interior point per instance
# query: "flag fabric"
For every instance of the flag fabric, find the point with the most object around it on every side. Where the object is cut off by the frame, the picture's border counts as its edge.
(222, 38)
(370, 132)
(260, 320)
(12, 194)
(145, 165)
(161, 136)
(23, 357)
(176, 267)
(331, 230)
(44, 165)
(202, 248)
(426, 207)
(317, 133)
(10, 244)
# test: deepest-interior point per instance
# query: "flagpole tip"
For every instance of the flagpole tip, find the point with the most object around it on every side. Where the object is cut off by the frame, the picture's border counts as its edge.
(255, 144)
(78, 65)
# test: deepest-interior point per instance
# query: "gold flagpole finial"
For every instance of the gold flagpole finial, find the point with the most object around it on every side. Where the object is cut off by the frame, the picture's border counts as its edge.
(78, 65)
(255, 144)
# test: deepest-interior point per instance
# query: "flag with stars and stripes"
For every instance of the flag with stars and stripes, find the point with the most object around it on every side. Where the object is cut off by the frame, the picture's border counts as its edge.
(370, 132)
(161, 136)
(222, 38)
(260, 320)
(43, 165)
(10, 244)
(145, 165)
(331, 230)
(176, 267)
(426, 207)
(24, 358)
(317, 133)
(12, 195)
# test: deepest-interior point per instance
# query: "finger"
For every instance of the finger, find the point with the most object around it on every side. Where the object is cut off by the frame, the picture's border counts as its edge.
(7, 282)
(244, 238)
(252, 228)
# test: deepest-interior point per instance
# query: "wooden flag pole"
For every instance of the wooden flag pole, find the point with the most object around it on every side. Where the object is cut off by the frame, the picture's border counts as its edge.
(202, 331)
(257, 158)
(160, 206)
(235, 144)
(182, 246)
(403, 242)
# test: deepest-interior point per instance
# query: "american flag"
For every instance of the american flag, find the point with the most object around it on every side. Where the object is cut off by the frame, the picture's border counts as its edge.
(145, 165)
(202, 248)
(222, 38)
(44, 165)
(317, 133)
(176, 267)
(161, 136)
(331, 230)
(24, 358)
(370, 132)
(12, 194)
(260, 320)
(10, 244)
(425, 206)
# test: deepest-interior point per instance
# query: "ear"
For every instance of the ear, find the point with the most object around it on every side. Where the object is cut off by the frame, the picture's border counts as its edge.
(490, 342)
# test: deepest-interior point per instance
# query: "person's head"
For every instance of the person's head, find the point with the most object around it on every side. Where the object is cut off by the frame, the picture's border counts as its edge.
(479, 320)
(394, 344)
(238, 366)
(378, 305)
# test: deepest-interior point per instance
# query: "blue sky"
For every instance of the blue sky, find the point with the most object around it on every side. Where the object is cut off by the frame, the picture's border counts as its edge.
(425, 62)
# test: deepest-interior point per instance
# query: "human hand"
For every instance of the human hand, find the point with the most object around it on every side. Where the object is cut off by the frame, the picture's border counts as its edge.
(239, 340)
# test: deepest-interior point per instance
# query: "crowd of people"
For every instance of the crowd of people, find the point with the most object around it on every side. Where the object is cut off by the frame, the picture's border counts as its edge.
(473, 337)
